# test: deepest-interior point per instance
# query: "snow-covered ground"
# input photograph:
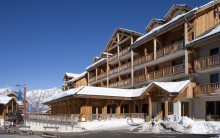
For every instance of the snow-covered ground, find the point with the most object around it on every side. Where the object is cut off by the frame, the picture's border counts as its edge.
(173, 123)
(170, 124)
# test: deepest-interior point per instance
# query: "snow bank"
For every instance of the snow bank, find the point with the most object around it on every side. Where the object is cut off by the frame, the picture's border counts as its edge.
(181, 124)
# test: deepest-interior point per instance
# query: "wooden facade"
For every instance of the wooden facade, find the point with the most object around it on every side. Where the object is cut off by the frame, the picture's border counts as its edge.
(131, 60)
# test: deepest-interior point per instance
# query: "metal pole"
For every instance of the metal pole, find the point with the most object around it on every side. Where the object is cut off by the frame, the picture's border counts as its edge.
(24, 104)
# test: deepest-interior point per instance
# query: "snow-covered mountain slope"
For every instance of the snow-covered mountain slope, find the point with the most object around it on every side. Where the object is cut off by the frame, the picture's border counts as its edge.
(5, 91)
(36, 97)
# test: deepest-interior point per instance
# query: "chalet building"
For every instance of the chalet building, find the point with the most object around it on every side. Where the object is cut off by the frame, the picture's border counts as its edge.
(8, 109)
(74, 80)
(173, 69)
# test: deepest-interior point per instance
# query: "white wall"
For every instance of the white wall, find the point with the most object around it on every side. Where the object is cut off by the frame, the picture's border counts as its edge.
(1, 122)
(177, 108)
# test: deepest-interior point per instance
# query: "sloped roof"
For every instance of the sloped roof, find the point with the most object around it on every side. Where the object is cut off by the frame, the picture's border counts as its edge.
(154, 20)
(96, 63)
(78, 77)
(212, 33)
(4, 99)
(122, 30)
(71, 75)
(170, 87)
(174, 7)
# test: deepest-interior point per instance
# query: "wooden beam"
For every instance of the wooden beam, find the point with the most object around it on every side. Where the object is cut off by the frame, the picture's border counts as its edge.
(166, 105)
(149, 107)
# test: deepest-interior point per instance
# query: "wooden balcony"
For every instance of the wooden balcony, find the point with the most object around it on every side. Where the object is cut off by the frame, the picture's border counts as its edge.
(170, 49)
(124, 51)
(92, 79)
(101, 76)
(140, 78)
(166, 72)
(113, 85)
(124, 66)
(113, 71)
(144, 59)
(207, 89)
(207, 62)
(124, 82)
(115, 56)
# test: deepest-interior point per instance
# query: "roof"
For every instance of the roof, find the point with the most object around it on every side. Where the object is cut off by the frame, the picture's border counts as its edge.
(96, 63)
(122, 30)
(154, 20)
(175, 6)
(170, 87)
(19, 102)
(176, 19)
(4, 99)
(78, 77)
(212, 33)
(71, 75)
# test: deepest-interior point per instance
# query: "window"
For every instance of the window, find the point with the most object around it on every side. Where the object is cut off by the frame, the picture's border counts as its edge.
(214, 78)
(214, 51)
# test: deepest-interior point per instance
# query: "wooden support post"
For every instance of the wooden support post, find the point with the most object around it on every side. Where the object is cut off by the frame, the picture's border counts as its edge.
(186, 51)
(107, 71)
(96, 73)
(132, 64)
(166, 105)
(88, 79)
(155, 49)
(149, 107)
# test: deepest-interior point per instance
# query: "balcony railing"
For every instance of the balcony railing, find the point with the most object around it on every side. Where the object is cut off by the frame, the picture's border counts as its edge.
(113, 85)
(124, 66)
(207, 62)
(101, 76)
(124, 51)
(113, 71)
(124, 82)
(210, 88)
(166, 72)
(113, 57)
(92, 79)
(170, 49)
(140, 78)
(144, 59)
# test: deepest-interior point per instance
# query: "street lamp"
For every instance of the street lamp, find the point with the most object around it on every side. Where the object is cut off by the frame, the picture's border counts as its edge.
(24, 102)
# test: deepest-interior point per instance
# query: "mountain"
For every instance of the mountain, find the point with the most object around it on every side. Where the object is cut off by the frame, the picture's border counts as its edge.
(5, 91)
(36, 97)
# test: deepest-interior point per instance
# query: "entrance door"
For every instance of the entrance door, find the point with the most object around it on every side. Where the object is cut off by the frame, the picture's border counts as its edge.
(96, 112)
(161, 110)
(184, 109)
(212, 110)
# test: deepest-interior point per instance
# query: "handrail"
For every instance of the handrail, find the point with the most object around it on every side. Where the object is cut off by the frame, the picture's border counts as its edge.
(170, 49)
(166, 72)
(207, 62)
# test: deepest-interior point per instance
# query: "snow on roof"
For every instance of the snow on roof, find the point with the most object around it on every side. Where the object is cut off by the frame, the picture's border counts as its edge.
(78, 77)
(115, 92)
(210, 34)
(72, 75)
(172, 87)
(4, 99)
(175, 5)
(98, 62)
(128, 30)
(19, 102)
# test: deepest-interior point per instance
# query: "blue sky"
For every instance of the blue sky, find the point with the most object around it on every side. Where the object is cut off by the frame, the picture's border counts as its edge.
(40, 40)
